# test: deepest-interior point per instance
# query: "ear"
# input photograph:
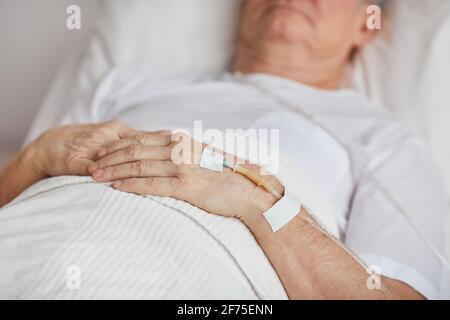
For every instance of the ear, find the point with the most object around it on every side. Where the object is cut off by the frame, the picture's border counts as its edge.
(367, 26)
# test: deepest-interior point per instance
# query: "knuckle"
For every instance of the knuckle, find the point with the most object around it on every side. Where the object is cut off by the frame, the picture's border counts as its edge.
(135, 167)
(170, 150)
(133, 150)
(147, 166)
(150, 182)
(139, 167)
(141, 139)
(181, 137)
(182, 179)
(167, 139)
(177, 186)
(114, 172)
(185, 136)
(172, 145)
(111, 172)
(178, 168)
(104, 162)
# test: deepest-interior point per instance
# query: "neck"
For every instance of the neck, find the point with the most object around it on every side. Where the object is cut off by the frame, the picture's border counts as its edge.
(320, 73)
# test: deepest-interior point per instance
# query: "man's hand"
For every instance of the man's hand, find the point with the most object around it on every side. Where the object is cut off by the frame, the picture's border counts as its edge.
(145, 164)
(71, 149)
(62, 151)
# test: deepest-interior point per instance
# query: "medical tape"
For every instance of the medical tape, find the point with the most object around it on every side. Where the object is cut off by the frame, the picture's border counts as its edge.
(212, 160)
(286, 209)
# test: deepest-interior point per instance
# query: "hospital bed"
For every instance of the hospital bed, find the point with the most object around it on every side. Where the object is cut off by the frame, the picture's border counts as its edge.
(405, 70)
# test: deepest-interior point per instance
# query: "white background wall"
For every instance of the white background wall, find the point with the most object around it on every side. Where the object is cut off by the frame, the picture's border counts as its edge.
(34, 41)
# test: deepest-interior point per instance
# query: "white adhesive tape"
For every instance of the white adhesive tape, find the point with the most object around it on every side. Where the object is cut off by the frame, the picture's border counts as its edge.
(286, 209)
(212, 160)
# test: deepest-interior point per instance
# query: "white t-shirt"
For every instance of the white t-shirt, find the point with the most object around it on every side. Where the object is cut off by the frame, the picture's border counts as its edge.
(346, 144)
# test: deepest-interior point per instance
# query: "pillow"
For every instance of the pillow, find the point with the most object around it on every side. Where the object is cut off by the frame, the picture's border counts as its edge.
(177, 37)
(174, 38)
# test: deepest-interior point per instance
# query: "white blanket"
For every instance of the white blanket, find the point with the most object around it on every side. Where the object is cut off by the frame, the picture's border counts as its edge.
(72, 238)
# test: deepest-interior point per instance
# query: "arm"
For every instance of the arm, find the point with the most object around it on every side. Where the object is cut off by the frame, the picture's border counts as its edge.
(310, 264)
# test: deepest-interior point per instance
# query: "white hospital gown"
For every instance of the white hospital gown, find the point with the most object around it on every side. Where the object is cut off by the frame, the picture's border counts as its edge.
(348, 148)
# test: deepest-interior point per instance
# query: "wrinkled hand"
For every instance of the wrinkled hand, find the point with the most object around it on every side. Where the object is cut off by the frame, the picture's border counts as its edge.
(145, 165)
(71, 149)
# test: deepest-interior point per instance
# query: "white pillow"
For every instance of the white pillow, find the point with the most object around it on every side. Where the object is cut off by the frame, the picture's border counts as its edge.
(176, 37)
(173, 37)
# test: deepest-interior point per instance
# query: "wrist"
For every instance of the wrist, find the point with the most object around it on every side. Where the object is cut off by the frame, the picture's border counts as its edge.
(19, 175)
(32, 160)
(254, 219)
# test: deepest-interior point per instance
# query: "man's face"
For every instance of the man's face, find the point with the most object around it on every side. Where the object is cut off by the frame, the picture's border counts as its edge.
(322, 27)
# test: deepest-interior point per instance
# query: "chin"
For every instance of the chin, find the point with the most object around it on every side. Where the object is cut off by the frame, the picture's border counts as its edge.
(285, 30)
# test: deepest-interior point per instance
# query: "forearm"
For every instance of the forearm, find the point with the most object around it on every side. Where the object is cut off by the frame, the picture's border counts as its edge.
(21, 173)
(311, 265)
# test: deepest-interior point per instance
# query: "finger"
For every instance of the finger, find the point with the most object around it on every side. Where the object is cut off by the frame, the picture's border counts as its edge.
(162, 187)
(138, 169)
(132, 153)
(148, 139)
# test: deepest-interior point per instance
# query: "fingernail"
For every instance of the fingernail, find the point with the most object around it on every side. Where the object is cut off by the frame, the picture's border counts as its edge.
(102, 152)
(99, 173)
(117, 184)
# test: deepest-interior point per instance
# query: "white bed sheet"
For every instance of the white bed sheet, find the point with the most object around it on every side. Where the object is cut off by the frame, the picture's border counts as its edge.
(124, 246)
(132, 247)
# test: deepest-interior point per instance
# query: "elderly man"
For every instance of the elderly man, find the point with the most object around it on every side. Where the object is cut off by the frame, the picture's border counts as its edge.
(290, 63)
